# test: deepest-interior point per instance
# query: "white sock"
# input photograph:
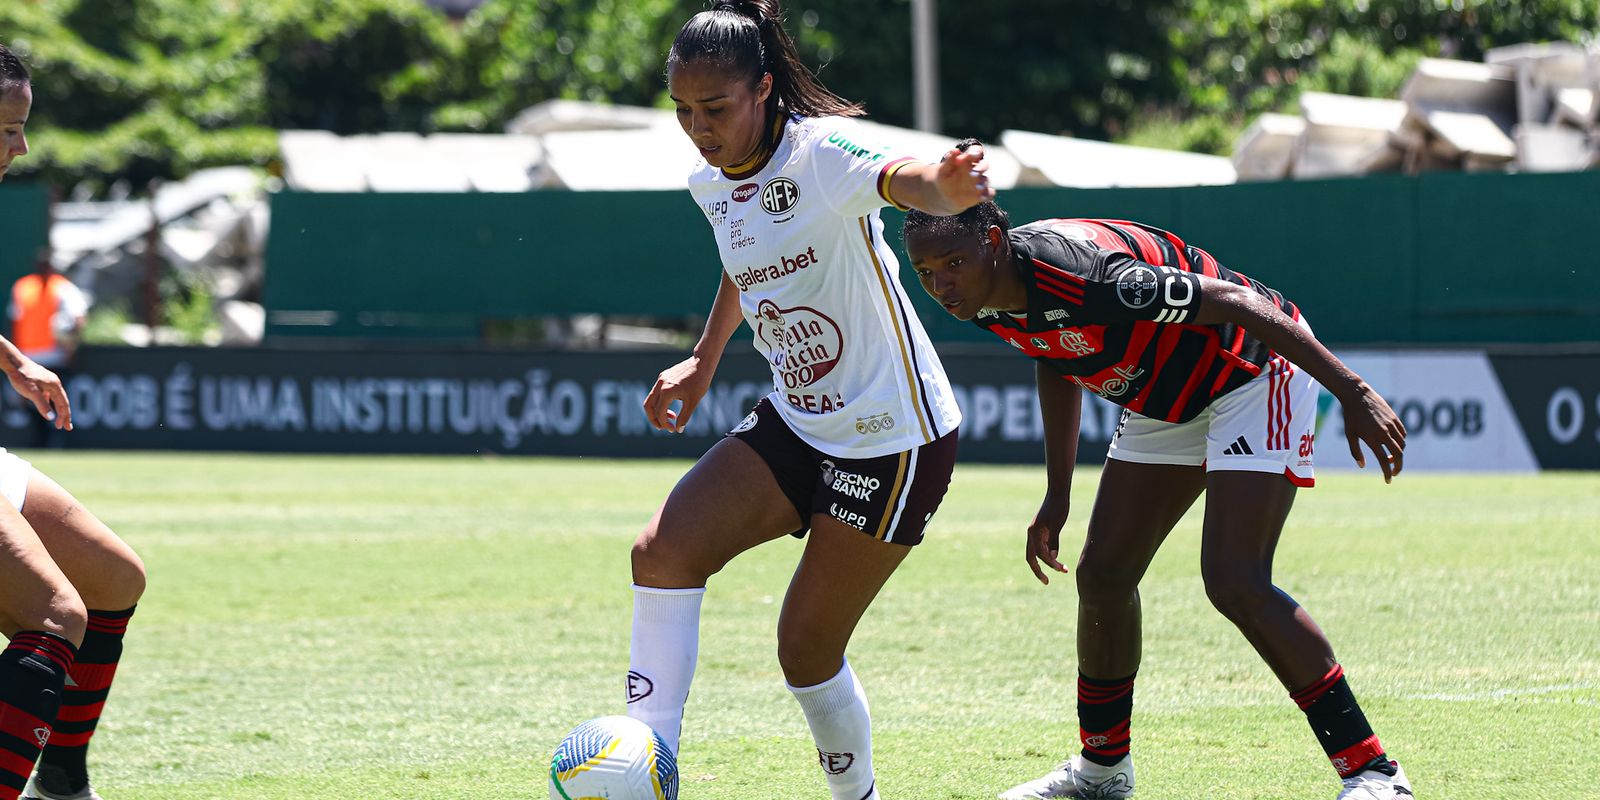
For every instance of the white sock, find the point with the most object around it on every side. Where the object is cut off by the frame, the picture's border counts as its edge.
(666, 642)
(841, 724)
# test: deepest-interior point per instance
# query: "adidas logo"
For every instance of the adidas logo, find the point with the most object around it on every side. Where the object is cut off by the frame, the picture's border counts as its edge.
(1240, 447)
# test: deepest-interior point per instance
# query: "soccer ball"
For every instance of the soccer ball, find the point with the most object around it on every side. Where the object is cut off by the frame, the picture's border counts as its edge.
(613, 758)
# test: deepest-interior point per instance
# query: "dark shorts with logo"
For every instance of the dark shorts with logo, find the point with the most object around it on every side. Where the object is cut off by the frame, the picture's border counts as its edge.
(890, 498)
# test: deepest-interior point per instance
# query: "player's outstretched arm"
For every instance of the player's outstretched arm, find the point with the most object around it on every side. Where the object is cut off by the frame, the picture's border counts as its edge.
(41, 386)
(1061, 404)
(949, 187)
(1367, 417)
(688, 380)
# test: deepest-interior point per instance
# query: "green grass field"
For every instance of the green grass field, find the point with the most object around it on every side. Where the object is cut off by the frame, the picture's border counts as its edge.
(340, 627)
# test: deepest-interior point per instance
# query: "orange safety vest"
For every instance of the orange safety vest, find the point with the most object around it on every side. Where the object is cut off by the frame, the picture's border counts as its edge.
(36, 302)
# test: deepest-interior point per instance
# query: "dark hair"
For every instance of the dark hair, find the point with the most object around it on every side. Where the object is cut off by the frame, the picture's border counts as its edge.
(746, 37)
(13, 72)
(974, 222)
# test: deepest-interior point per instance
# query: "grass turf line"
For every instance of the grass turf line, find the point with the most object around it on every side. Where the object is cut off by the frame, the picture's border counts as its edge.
(334, 627)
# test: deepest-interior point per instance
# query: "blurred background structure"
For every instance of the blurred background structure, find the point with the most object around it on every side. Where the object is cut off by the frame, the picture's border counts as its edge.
(1527, 108)
(505, 176)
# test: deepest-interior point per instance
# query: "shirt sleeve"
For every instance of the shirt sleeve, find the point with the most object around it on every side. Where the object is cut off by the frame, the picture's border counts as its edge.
(1094, 286)
(854, 176)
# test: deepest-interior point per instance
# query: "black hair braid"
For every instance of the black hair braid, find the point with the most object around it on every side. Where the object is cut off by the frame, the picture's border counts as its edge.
(974, 222)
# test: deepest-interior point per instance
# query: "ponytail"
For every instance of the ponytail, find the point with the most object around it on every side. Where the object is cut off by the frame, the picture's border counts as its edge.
(747, 38)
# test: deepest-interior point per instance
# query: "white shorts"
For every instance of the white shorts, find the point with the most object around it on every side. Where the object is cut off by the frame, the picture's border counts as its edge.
(1266, 425)
(14, 474)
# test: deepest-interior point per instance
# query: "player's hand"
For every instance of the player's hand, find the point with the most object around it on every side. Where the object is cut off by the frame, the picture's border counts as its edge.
(962, 177)
(1044, 538)
(42, 388)
(685, 382)
(1368, 418)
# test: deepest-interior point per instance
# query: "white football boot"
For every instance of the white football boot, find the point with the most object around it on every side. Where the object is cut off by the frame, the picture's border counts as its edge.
(1374, 785)
(1080, 778)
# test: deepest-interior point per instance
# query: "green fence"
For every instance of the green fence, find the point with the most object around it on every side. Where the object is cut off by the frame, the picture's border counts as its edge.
(438, 266)
(24, 216)
(1441, 258)
(1444, 258)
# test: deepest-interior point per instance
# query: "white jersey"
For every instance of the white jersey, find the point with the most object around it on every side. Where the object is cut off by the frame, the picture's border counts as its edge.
(853, 371)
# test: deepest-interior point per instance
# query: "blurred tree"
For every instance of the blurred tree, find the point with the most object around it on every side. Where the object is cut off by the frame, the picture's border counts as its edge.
(1234, 60)
(134, 89)
(352, 66)
(516, 53)
(1077, 66)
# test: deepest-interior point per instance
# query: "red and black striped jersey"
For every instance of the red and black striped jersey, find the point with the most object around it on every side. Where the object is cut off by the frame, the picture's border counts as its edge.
(1107, 304)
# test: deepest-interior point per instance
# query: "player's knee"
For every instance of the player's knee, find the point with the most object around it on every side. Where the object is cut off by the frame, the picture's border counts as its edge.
(114, 580)
(61, 612)
(125, 582)
(649, 562)
(656, 562)
(1238, 593)
(805, 660)
(1105, 578)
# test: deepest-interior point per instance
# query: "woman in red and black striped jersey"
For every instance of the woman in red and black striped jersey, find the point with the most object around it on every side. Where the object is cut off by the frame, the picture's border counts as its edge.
(59, 567)
(1217, 375)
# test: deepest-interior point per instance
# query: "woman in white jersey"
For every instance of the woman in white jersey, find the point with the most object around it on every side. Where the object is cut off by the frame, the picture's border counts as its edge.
(67, 583)
(857, 440)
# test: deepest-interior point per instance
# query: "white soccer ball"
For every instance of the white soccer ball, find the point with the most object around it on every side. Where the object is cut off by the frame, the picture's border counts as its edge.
(613, 758)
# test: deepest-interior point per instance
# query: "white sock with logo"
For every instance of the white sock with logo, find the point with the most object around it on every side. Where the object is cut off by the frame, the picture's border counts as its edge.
(666, 643)
(841, 724)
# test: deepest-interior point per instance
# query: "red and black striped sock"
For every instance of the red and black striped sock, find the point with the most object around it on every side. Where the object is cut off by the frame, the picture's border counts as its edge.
(33, 669)
(1336, 718)
(85, 696)
(1105, 712)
